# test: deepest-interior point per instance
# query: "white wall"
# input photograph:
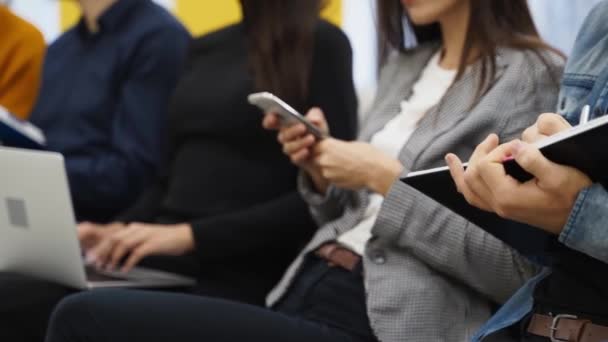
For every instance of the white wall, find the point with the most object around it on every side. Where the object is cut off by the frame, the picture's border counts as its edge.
(42, 13)
(360, 26)
(560, 20)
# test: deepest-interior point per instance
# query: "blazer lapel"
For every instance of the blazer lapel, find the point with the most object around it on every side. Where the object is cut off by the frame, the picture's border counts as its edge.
(454, 107)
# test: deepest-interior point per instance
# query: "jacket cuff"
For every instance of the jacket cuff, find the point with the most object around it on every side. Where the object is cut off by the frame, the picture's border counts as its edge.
(310, 195)
(585, 230)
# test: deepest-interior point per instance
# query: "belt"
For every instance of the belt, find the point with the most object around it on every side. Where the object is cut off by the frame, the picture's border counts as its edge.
(336, 255)
(567, 328)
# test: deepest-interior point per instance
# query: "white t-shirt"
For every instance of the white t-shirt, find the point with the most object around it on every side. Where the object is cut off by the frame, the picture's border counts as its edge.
(426, 93)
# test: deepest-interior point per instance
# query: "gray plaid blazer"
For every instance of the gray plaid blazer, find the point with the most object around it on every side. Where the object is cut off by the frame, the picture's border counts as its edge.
(431, 275)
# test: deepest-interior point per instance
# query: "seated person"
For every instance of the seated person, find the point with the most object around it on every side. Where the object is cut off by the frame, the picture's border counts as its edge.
(20, 63)
(228, 194)
(561, 200)
(387, 263)
(105, 88)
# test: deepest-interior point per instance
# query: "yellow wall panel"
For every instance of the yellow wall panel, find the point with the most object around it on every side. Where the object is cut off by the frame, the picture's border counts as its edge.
(333, 12)
(69, 14)
(202, 16)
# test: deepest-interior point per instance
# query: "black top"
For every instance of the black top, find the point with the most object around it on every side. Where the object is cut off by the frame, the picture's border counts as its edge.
(578, 286)
(226, 175)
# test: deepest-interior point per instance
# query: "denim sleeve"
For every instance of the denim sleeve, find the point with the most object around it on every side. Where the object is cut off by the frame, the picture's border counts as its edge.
(587, 227)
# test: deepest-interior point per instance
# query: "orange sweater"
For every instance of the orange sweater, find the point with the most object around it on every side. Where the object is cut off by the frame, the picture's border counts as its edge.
(21, 59)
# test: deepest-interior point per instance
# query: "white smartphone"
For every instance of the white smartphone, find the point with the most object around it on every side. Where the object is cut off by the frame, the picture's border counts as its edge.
(268, 102)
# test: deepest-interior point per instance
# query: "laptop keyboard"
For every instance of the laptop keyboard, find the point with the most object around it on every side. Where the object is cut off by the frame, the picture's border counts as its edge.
(96, 276)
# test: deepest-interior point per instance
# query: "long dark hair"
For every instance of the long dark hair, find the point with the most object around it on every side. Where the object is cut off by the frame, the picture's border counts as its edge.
(492, 24)
(281, 43)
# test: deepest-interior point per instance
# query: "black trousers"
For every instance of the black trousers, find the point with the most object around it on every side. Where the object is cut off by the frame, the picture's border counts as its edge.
(324, 304)
(26, 303)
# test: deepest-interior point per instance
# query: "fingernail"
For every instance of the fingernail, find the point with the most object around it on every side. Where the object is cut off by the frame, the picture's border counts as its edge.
(448, 159)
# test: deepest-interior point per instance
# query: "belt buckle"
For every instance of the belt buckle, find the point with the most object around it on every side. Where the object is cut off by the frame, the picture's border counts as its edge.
(554, 324)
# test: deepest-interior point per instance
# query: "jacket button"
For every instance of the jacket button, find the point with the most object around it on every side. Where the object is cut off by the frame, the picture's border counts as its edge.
(378, 257)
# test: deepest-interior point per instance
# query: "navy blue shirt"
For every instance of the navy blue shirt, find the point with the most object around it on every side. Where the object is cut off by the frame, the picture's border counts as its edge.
(104, 100)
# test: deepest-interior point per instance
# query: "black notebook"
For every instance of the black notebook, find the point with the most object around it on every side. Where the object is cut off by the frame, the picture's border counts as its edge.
(582, 147)
(19, 133)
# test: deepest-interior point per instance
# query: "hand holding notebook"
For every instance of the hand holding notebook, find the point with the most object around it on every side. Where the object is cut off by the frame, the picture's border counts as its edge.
(579, 147)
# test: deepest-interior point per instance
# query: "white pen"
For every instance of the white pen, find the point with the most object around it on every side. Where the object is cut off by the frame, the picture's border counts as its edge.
(584, 115)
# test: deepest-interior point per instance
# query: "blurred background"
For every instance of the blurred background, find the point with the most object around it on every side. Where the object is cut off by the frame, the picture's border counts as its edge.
(557, 20)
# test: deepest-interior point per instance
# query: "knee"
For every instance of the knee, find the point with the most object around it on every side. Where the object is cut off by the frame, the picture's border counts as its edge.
(71, 316)
(71, 307)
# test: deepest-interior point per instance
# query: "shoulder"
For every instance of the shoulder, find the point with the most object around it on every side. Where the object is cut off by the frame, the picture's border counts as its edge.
(227, 36)
(329, 38)
(531, 63)
(153, 31)
(527, 85)
(151, 24)
(160, 18)
(596, 20)
(24, 33)
(330, 35)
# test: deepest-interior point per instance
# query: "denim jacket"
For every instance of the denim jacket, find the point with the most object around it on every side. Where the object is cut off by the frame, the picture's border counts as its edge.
(585, 82)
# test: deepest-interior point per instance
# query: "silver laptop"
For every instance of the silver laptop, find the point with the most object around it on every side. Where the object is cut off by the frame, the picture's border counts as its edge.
(38, 235)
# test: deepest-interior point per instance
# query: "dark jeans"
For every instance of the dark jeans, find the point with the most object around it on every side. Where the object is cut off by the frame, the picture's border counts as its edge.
(26, 303)
(325, 304)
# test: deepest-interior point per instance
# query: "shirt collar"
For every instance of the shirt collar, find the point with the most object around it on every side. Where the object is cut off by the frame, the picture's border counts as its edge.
(112, 18)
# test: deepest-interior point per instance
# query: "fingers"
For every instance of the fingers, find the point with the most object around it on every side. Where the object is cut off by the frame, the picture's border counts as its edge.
(298, 150)
(484, 148)
(457, 172)
(546, 125)
(549, 175)
(498, 185)
(317, 118)
(288, 134)
(325, 146)
(115, 243)
(474, 188)
(128, 240)
(88, 234)
(531, 135)
(99, 253)
(137, 255)
(458, 175)
(549, 124)
(271, 122)
(531, 159)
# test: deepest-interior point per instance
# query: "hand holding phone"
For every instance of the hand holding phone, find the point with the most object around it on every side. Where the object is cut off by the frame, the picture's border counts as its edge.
(270, 103)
